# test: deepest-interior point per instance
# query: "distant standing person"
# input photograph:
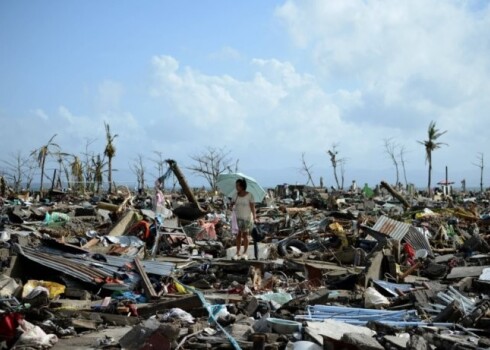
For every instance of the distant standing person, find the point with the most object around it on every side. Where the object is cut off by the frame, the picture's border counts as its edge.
(158, 199)
(244, 206)
(353, 187)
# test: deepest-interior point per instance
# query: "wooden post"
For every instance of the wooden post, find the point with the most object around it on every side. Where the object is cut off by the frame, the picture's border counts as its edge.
(147, 286)
(183, 183)
(395, 194)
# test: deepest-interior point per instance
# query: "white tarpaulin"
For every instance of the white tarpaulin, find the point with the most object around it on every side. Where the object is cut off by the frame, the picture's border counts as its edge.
(485, 275)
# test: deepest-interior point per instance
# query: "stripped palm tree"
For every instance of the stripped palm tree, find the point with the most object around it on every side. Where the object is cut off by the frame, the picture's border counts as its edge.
(42, 153)
(109, 152)
(431, 145)
(61, 158)
(98, 165)
(77, 173)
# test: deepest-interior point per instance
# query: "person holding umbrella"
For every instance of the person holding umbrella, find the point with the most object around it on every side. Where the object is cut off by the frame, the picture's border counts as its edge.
(244, 207)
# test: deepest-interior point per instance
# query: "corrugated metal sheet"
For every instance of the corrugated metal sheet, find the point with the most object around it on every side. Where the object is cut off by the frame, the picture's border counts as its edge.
(418, 240)
(62, 264)
(392, 228)
(87, 269)
(401, 231)
(113, 263)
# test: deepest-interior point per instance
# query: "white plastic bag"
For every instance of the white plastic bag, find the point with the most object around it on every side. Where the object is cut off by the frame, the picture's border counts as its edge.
(177, 313)
(34, 337)
(374, 299)
(234, 223)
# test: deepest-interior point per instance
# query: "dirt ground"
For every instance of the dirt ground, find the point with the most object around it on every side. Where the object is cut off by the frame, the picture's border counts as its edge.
(91, 340)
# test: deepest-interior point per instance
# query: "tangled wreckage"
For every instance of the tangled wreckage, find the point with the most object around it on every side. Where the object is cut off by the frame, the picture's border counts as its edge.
(380, 269)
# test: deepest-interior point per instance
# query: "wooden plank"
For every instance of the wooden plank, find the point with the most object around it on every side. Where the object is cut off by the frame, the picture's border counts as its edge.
(147, 286)
(328, 266)
(108, 206)
(123, 225)
(186, 303)
(92, 243)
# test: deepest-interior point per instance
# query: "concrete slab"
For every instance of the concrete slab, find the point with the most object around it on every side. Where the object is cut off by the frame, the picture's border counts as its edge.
(91, 340)
(334, 329)
(362, 341)
(264, 250)
(398, 342)
(466, 271)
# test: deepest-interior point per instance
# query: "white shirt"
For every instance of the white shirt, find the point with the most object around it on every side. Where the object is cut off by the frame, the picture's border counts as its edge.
(242, 206)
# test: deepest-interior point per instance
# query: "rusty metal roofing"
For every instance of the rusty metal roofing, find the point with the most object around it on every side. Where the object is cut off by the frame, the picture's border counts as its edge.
(392, 228)
(86, 268)
(401, 231)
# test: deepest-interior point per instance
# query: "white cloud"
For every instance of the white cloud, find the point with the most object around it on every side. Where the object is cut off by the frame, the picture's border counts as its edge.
(357, 72)
(226, 53)
(406, 52)
(67, 115)
(377, 69)
(399, 65)
(109, 95)
(278, 111)
(205, 101)
(40, 113)
(82, 126)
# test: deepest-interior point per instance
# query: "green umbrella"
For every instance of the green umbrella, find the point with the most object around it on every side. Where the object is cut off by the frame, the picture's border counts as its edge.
(226, 183)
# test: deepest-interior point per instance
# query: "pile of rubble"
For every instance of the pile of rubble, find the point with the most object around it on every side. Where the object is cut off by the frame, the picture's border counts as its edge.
(338, 270)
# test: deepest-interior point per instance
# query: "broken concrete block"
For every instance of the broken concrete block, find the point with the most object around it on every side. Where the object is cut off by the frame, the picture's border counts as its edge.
(79, 294)
(151, 334)
(334, 330)
(361, 341)
(397, 342)
(417, 342)
(252, 307)
(240, 331)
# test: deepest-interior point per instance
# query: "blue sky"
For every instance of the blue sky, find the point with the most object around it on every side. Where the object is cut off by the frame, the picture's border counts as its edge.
(268, 80)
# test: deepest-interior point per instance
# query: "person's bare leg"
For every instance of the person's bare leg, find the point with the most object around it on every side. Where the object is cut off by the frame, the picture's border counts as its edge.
(245, 242)
(238, 242)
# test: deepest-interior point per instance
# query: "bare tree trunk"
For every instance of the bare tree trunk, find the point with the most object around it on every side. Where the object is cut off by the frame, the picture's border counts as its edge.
(481, 179)
(402, 160)
(395, 194)
(142, 178)
(307, 170)
(210, 164)
(42, 178)
(3, 186)
(397, 174)
(480, 165)
(342, 174)
(429, 176)
(390, 149)
(183, 183)
(109, 175)
(333, 159)
(53, 180)
(335, 176)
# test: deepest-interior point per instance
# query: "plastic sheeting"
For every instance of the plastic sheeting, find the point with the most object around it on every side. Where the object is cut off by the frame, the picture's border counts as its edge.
(485, 276)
